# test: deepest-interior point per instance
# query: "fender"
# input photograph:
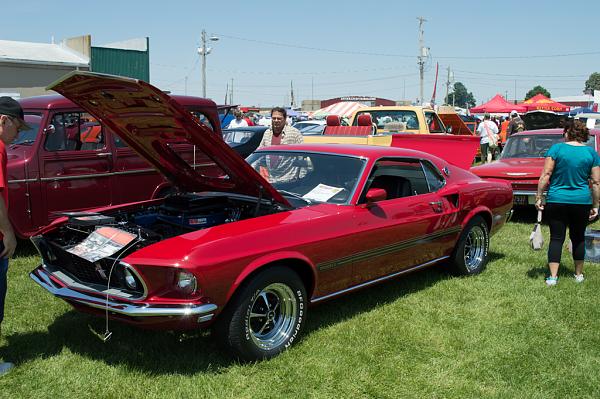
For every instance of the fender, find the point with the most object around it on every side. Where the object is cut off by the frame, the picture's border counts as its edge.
(267, 260)
(478, 210)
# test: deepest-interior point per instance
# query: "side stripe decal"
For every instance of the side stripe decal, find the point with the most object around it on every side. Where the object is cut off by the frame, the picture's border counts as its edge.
(386, 250)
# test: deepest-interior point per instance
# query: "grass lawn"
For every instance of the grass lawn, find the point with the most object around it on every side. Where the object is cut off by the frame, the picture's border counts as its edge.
(499, 334)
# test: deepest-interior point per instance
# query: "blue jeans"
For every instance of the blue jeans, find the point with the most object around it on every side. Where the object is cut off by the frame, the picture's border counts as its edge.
(3, 284)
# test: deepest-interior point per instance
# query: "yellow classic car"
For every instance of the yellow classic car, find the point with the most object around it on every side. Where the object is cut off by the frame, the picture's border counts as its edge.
(375, 125)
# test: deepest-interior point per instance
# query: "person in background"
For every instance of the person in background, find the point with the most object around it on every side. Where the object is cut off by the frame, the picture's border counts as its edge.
(11, 123)
(568, 169)
(515, 125)
(248, 119)
(486, 130)
(239, 120)
(280, 132)
(504, 129)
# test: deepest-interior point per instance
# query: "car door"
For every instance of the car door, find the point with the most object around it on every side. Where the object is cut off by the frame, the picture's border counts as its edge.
(413, 226)
(75, 164)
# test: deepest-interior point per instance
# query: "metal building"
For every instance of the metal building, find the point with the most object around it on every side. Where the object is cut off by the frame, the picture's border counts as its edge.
(27, 68)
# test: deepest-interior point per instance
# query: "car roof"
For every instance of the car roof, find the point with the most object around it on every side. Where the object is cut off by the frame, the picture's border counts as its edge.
(368, 151)
(56, 101)
(595, 132)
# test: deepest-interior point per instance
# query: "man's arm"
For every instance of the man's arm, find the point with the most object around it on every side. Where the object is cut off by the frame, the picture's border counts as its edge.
(9, 240)
(266, 136)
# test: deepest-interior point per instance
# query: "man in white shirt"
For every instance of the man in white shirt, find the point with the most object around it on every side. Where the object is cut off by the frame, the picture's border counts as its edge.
(239, 120)
(488, 131)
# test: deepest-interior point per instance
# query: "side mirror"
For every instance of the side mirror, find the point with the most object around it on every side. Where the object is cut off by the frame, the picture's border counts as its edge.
(449, 129)
(49, 129)
(375, 195)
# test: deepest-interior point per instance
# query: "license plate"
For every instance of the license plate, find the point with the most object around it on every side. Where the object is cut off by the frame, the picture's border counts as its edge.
(520, 200)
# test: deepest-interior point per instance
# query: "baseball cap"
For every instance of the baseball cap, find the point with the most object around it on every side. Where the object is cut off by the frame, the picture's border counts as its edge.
(513, 112)
(10, 107)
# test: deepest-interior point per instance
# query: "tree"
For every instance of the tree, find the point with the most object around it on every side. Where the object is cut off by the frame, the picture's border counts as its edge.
(461, 97)
(537, 90)
(593, 83)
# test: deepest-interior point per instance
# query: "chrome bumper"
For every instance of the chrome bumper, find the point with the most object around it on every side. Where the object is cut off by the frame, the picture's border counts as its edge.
(204, 312)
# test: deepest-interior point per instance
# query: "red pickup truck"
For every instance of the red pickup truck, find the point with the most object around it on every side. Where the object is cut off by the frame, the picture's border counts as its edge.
(70, 162)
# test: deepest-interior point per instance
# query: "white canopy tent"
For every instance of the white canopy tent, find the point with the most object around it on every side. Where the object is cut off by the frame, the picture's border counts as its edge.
(342, 109)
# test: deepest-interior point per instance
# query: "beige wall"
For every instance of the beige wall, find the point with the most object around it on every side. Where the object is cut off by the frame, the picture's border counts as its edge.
(28, 79)
(81, 44)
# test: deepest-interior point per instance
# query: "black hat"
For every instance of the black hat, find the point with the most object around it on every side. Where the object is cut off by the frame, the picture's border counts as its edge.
(11, 107)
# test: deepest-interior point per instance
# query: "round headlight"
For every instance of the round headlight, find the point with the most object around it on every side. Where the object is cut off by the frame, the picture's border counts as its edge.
(130, 281)
(186, 282)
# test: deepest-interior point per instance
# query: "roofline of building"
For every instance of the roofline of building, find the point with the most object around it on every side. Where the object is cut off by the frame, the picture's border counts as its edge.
(45, 63)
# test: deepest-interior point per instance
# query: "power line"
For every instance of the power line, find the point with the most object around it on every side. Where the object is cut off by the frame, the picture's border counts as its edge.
(521, 75)
(475, 57)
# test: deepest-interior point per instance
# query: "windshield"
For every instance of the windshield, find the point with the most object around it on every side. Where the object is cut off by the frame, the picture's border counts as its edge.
(534, 146)
(305, 178)
(237, 137)
(27, 137)
(312, 130)
(385, 117)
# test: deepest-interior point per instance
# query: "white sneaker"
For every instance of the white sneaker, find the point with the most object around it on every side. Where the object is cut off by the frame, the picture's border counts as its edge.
(551, 281)
(579, 278)
(5, 368)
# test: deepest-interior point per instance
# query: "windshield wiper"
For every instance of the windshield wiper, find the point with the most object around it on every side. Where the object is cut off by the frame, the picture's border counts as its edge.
(295, 195)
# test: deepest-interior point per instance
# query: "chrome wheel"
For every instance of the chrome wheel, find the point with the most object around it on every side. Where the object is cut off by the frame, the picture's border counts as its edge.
(273, 316)
(475, 248)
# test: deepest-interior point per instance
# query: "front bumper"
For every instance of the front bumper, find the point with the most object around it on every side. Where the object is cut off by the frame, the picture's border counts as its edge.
(200, 312)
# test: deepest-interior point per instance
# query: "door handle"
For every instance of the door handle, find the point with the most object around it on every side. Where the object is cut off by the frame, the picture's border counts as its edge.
(437, 206)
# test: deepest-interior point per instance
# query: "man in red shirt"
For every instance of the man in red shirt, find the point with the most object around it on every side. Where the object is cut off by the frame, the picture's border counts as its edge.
(12, 121)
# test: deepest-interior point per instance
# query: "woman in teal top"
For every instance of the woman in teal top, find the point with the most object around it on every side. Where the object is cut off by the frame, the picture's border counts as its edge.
(569, 168)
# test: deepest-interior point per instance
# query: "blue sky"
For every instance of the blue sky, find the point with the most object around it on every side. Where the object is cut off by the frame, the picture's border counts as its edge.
(371, 46)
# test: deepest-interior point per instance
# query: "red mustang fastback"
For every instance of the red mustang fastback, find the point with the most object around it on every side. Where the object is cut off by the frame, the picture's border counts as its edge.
(246, 249)
(522, 161)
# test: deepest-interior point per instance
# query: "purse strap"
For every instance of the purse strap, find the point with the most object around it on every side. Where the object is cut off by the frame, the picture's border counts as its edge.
(487, 130)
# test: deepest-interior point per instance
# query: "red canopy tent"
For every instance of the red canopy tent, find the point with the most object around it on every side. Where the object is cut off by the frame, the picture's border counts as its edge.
(540, 102)
(497, 105)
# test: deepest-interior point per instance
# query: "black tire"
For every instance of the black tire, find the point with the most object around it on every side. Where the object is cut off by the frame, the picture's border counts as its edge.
(265, 317)
(471, 252)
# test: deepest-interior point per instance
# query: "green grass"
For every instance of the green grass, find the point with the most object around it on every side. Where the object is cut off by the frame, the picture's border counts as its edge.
(499, 334)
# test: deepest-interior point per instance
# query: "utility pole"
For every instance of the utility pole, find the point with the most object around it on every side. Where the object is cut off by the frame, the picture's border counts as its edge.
(447, 85)
(231, 93)
(292, 94)
(204, 51)
(422, 58)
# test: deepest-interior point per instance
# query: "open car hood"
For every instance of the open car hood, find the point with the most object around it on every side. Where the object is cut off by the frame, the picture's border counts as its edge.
(150, 122)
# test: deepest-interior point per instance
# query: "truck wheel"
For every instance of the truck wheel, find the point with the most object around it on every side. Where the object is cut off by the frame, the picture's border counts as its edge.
(471, 252)
(265, 316)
